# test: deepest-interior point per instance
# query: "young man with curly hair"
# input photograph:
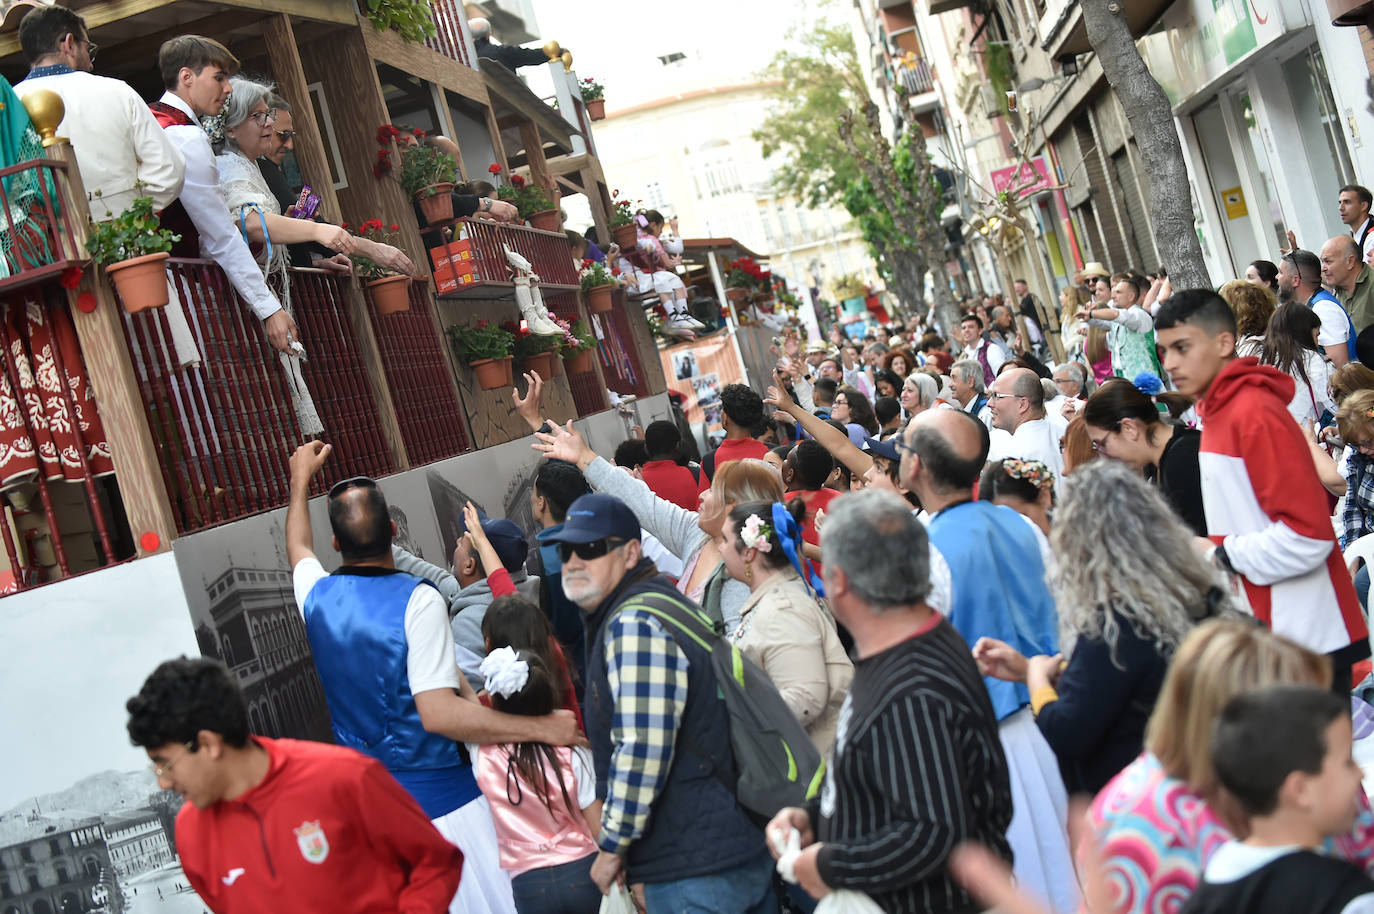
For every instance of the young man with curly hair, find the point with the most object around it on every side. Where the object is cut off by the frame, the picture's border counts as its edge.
(281, 824)
(741, 412)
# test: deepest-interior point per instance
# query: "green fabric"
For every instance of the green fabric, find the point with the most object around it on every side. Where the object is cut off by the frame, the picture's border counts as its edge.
(19, 142)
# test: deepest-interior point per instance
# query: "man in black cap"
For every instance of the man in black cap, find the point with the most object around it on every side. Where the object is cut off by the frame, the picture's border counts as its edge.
(658, 730)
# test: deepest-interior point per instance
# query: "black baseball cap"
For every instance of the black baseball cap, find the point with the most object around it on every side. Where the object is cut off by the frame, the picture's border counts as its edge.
(882, 448)
(596, 517)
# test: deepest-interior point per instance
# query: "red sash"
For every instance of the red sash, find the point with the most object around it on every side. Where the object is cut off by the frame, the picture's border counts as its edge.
(175, 217)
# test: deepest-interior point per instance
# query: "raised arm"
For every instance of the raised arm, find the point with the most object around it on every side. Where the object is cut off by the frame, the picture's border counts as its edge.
(831, 438)
(304, 464)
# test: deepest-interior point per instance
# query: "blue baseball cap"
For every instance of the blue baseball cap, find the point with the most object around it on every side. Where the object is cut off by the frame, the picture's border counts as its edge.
(596, 517)
(509, 542)
(882, 448)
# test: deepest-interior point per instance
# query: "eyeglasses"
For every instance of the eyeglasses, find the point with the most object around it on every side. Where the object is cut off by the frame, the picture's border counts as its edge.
(161, 771)
(91, 49)
(1101, 445)
(588, 551)
(286, 136)
(264, 117)
(357, 482)
(1007, 397)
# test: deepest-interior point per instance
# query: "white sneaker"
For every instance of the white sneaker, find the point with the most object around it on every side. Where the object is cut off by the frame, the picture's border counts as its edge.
(540, 326)
(686, 320)
(676, 326)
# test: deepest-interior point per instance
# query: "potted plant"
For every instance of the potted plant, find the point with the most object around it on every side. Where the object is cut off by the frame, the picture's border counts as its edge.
(597, 285)
(533, 203)
(593, 96)
(389, 290)
(576, 349)
(133, 248)
(534, 352)
(623, 222)
(850, 290)
(428, 175)
(743, 277)
(485, 348)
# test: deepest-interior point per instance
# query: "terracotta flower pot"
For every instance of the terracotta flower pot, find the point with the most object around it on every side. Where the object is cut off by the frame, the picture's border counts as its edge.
(140, 281)
(436, 202)
(390, 294)
(599, 299)
(541, 362)
(627, 236)
(596, 109)
(737, 294)
(548, 220)
(493, 374)
(579, 362)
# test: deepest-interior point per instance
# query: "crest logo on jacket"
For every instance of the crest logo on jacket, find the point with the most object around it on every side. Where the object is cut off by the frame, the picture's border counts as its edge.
(311, 839)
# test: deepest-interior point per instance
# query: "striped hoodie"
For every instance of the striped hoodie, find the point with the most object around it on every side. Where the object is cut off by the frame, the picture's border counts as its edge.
(1265, 504)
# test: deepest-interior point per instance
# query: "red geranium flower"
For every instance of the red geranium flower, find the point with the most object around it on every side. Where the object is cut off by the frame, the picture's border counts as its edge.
(343, 225)
(615, 271)
(418, 133)
(517, 181)
(395, 228)
(494, 168)
(586, 262)
(71, 278)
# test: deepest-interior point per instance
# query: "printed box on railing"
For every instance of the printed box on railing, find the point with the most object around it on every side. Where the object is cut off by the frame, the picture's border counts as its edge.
(459, 252)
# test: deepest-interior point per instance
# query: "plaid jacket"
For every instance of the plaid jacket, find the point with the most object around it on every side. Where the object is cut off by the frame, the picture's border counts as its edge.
(1357, 519)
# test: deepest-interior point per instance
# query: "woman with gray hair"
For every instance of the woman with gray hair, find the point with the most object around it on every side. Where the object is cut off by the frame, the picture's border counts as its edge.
(1130, 587)
(919, 392)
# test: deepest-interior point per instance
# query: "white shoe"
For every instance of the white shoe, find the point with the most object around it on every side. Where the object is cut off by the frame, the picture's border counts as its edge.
(539, 325)
(685, 319)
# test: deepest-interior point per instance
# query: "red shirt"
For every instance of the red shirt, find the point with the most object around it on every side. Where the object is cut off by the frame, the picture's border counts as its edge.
(674, 483)
(737, 449)
(328, 829)
(815, 500)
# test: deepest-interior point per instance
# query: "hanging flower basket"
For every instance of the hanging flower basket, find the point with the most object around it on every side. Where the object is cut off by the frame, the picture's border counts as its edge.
(626, 236)
(493, 374)
(140, 281)
(390, 294)
(596, 109)
(548, 220)
(436, 202)
(579, 362)
(541, 362)
(599, 299)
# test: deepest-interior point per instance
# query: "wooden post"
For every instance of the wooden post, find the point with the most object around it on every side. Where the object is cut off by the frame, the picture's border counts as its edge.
(534, 157)
(114, 383)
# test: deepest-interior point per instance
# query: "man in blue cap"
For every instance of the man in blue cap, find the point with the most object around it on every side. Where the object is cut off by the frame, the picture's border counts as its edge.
(659, 732)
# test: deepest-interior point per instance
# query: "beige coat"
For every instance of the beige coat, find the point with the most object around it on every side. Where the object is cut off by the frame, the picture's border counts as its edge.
(792, 638)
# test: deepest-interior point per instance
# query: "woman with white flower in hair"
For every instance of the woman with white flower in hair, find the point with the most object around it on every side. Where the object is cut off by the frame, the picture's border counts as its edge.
(543, 798)
(783, 628)
(1130, 587)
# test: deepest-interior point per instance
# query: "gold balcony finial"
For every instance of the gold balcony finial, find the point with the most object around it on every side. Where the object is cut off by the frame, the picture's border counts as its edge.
(46, 111)
(552, 49)
(566, 57)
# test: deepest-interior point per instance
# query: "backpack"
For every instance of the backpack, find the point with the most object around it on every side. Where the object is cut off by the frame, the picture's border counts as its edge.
(777, 764)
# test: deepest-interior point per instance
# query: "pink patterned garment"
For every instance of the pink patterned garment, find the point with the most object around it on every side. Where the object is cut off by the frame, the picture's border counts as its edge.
(1156, 837)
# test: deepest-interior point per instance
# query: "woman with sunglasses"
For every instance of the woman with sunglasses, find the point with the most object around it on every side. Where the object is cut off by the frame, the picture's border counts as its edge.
(1126, 425)
(694, 537)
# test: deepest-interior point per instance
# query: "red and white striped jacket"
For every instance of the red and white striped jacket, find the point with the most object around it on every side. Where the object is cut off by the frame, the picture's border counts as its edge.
(1265, 504)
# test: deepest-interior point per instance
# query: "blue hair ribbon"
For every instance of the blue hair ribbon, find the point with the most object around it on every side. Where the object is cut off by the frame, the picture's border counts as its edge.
(790, 536)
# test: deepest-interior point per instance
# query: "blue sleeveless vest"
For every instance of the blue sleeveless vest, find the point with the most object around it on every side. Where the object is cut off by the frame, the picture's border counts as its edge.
(1323, 295)
(999, 587)
(356, 625)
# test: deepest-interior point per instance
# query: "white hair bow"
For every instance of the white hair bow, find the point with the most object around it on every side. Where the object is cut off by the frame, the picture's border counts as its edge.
(505, 673)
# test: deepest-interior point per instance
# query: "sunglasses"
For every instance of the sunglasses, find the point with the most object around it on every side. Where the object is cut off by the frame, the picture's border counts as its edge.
(357, 482)
(286, 136)
(589, 551)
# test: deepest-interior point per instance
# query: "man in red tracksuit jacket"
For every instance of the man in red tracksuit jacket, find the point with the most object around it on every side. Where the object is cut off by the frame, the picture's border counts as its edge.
(283, 825)
(1267, 513)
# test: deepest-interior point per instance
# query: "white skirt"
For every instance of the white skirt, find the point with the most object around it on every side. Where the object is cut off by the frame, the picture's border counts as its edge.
(1038, 833)
(484, 886)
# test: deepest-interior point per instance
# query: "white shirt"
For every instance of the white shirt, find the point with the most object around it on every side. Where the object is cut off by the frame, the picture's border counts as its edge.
(429, 640)
(1368, 239)
(1034, 439)
(1054, 412)
(117, 142)
(984, 415)
(1234, 861)
(996, 354)
(1335, 328)
(220, 240)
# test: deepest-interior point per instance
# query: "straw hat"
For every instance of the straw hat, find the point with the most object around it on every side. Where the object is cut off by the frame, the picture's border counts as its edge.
(816, 348)
(1095, 269)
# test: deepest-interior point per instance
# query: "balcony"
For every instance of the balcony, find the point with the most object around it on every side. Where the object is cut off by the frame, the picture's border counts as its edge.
(35, 230)
(478, 252)
(451, 31)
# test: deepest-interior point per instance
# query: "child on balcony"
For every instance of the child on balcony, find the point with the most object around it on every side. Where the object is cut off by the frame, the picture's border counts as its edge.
(663, 278)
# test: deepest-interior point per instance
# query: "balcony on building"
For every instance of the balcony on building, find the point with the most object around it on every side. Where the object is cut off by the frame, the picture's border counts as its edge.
(1064, 36)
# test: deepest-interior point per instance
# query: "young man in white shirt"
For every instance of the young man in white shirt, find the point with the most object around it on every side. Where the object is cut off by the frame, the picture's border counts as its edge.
(1354, 203)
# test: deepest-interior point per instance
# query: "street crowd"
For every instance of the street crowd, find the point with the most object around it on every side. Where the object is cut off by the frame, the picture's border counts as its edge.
(1053, 618)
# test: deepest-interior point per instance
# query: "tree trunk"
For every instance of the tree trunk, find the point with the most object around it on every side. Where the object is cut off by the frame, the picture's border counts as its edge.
(908, 279)
(1152, 121)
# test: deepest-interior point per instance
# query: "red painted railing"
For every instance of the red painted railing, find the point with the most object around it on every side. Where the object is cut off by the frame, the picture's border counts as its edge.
(547, 253)
(36, 232)
(588, 394)
(417, 370)
(450, 23)
(224, 428)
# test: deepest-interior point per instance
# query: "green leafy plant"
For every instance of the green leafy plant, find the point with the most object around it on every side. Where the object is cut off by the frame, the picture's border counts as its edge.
(746, 274)
(622, 210)
(577, 337)
(528, 344)
(482, 340)
(596, 274)
(411, 19)
(373, 229)
(849, 286)
(136, 232)
(526, 196)
(591, 90)
(425, 166)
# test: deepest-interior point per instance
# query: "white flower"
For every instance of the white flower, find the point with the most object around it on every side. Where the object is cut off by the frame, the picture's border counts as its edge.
(504, 671)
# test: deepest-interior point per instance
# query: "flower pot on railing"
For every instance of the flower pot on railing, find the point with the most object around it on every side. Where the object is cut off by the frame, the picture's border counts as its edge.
(436, 202)
(140, 281)
(579, 362)
(390, 294)
(626, 236)
(737, 294)
(541, 362)
(547, 220)
(599, 299)
(493, 374)
(596, 109)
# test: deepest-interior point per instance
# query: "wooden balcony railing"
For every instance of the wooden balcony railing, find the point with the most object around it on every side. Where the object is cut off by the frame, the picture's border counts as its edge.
(490, 274)
(35, 231)
(450, 38)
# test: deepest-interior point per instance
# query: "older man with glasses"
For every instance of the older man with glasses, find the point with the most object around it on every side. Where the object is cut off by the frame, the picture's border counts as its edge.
(368, 623)
(306, 253)
(659, 733)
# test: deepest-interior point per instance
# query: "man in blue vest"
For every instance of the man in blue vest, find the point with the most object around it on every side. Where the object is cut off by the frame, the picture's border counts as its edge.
(384, 651)
(659, 731)
(997, 561)
(1300, 279)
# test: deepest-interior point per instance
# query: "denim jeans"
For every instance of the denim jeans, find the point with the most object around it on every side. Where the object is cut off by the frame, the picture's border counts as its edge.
(745, 889)
(563, 889)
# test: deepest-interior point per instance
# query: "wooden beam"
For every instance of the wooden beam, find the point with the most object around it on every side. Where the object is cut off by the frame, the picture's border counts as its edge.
(145, 47)
(534, 156)
(418, 60)
(341, 13)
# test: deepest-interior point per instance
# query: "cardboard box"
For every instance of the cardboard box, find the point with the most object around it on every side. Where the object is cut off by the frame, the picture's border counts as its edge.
(454, 252)
(447, 280)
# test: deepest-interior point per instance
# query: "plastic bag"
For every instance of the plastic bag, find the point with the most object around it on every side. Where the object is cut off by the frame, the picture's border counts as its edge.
(840, 901)
(618, 901)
